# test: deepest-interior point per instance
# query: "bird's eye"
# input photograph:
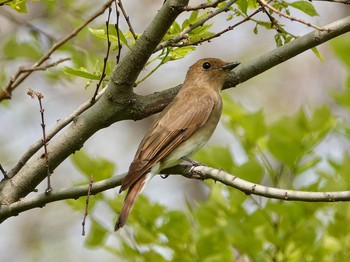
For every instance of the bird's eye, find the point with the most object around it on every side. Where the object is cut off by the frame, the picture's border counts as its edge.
(206, 65)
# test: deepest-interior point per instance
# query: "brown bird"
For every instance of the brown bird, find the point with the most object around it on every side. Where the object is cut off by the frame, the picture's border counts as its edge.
(183, 127)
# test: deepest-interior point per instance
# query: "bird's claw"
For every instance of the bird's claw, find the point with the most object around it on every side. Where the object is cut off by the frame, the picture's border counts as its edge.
(192, 162)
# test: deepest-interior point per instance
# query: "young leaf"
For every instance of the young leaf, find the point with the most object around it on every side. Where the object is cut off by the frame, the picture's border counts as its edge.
(242, 5)
(81, 72)
(19, 6)
(305, 7)
(318, 54)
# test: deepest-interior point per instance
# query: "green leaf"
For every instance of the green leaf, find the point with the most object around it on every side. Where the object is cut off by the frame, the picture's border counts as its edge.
(342, 169)
(294, 137)
(307, 165)
(340, 46)
(178, 53)
(215, 156)
(214, 246)
(145, 216)
(113, 37)
(232, 111)
(285, 140)
(254, 128)
(251, 171)
(14, 50)
(19, 6)
(253, 4)
(321, 122)
(97, 235)
(283, 38)
(201, 31)
(81, 72)
(175, 28)
(242, 5)
(250, 127)
(343, 97)
(100, 168)
(193, 17)
(213, 211)
(305, 7)
(77, 204)
(318, 54)
(100, 33)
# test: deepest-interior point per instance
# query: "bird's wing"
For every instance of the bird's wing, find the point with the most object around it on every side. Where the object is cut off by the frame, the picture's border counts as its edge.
(175, 124)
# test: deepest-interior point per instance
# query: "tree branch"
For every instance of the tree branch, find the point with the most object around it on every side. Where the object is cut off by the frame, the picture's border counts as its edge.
(291, 18)
(198, 172)
(44, 67)
(113, 106)
(40, 200)
(127, 19)
(203, 6)
(204, 172)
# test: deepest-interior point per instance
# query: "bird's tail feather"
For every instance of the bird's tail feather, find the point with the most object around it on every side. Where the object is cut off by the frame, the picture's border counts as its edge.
(130, 198)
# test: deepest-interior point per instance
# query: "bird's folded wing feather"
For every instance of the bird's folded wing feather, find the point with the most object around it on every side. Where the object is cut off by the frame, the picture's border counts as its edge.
(175, 124)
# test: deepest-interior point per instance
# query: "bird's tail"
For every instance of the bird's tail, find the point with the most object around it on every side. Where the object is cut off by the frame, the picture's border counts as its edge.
(133, 192)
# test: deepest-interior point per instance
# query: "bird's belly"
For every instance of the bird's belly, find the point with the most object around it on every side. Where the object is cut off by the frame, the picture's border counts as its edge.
(187, 148)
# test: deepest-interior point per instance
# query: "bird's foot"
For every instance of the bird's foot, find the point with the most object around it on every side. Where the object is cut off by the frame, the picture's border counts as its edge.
(192, 162)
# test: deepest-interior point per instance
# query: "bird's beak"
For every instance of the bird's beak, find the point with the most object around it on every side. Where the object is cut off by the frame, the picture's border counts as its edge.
(230, 66)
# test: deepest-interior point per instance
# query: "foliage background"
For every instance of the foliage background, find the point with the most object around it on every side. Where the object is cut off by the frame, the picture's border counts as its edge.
(284, 232)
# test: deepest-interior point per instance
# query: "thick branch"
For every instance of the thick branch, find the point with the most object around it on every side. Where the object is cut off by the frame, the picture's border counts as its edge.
(198, 172)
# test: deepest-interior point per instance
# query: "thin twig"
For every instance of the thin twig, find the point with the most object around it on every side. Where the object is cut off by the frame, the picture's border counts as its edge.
(5, 2)
(3, 171)
(274, 22)
(127, 19)
(154, 69)
(218, 34)
(58, 127)
(19, 76)
(86, 213)
(105, 60)
(263, 3)
(184, 33)
(43, 67)
(203, 6)
(40, 96)
(116, 26)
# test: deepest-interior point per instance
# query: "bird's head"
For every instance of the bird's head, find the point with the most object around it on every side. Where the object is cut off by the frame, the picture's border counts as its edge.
(211, 71)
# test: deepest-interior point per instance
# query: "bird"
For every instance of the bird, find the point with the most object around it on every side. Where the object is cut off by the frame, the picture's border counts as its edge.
(183, 127)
